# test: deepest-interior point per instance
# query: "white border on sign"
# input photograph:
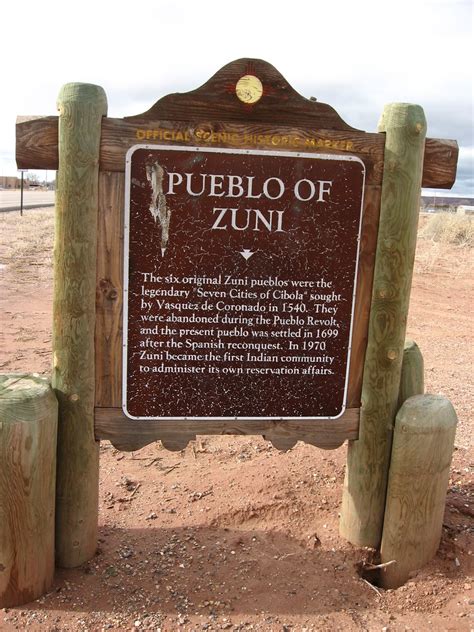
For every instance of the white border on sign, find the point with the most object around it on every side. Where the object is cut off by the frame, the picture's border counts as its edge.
(126, 246)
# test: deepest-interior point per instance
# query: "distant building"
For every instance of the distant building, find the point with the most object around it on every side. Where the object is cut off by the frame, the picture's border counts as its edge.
(440, 204)
(9, 182)
(12, 182)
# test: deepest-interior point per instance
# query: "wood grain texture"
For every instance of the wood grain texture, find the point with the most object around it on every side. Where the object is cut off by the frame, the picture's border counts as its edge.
(440, 163)
(422, 448)
(365, 275)
(118, 135)
(216, 100)
(412, 379)
(28, 431)
(368, 457)
(130, 434)
(37, 144)
(109, 291)
(81, 109)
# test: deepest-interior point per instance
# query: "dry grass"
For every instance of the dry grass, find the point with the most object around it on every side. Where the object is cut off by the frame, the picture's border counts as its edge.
(449, 228)
(27, 241)
(445, 240)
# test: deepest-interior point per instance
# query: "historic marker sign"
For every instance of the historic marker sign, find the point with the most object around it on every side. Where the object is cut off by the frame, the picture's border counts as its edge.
(240, 271)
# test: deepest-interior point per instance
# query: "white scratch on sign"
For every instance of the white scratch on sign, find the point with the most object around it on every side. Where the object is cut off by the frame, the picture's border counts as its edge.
(158, 206)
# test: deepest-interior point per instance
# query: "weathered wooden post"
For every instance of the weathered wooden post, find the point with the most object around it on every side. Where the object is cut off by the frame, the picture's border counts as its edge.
(81, 108)
(423, 445)
(368, 458)
(412, 379)
(28, 430)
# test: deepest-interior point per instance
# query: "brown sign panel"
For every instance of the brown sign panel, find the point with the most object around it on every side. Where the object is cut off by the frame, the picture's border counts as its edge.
(240, 271)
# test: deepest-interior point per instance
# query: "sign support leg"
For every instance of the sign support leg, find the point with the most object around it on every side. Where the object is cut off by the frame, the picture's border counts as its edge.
(368, 458)
(81, 108)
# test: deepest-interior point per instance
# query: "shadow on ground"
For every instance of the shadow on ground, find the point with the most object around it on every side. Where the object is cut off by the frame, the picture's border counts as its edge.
(218, 570)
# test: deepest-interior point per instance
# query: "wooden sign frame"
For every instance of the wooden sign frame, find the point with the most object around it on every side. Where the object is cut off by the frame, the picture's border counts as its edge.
(224, 121)
(281, 121)
(249, 105)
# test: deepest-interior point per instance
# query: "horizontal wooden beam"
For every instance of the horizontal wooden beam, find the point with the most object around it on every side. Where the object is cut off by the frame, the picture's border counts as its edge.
(440, 163)
(37, 144)
(130, 434)
(118, 135)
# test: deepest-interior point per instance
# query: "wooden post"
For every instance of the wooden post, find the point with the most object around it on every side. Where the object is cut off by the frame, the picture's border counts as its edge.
(28, 430)
(81, 108)
(423, 445)
(365, 485)
(412, 379)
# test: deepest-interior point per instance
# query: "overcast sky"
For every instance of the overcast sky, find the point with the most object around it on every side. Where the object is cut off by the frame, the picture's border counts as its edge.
(356, 55)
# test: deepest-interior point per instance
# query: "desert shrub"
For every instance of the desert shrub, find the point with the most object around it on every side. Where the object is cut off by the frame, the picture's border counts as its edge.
(449, 228)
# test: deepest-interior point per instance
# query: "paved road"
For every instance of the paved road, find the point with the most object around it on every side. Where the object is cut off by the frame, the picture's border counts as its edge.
(10, 200)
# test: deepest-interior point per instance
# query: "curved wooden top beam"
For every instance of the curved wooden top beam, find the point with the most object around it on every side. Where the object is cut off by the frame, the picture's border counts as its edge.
(217, 100)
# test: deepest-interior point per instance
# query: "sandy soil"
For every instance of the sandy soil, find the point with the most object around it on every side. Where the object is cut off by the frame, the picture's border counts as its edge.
(230, 533)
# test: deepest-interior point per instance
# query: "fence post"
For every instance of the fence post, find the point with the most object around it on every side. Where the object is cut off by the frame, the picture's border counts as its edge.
(81, 108)
(28, 430)
(365, 484)
(423, 445)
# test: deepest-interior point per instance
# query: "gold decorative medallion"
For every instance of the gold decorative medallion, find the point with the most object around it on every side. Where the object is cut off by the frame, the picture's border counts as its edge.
(249, 89)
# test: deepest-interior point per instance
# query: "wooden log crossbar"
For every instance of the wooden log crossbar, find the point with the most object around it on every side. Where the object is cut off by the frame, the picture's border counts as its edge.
(37, 143)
